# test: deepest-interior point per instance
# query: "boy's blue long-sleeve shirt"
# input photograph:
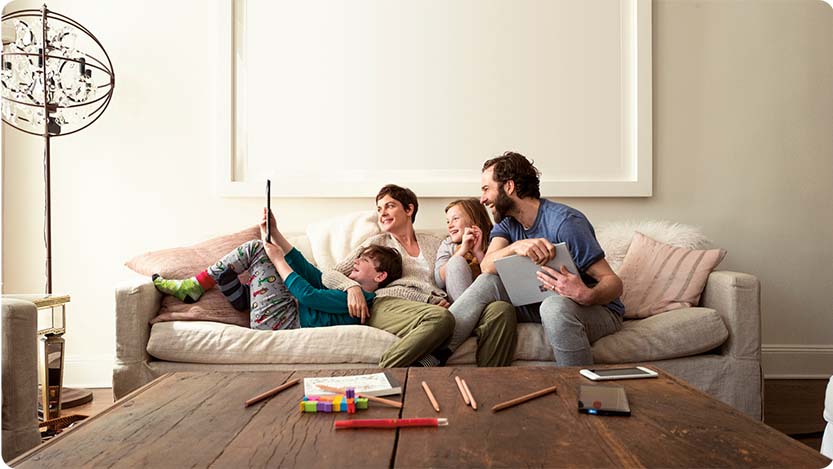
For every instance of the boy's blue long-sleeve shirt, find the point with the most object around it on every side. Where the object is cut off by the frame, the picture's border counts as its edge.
(317, 305)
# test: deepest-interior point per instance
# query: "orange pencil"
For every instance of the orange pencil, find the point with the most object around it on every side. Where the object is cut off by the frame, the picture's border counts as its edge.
(471, 397)
(524, 398)
(271, 392)
(462, 391)
(430, 396)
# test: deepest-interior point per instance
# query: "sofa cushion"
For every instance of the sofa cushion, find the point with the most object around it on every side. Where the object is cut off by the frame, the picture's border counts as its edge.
(658, 277)
(679, 333)
(615, 237)
(332, 240)
(186, 262)
(669, 335)
(212, 342)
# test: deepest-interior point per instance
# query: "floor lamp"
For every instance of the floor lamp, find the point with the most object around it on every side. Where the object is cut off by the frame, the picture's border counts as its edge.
(57, 79)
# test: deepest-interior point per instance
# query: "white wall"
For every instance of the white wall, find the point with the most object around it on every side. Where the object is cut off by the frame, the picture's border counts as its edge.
(743, 113)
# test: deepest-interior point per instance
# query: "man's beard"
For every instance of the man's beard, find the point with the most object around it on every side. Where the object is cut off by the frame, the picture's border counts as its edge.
(503, 205)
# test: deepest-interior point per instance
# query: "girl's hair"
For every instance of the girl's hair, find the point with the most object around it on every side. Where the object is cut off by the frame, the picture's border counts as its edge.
(477, 214)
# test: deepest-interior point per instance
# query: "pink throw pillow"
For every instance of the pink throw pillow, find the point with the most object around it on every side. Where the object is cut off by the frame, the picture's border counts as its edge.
(658, 277)
(186, 262)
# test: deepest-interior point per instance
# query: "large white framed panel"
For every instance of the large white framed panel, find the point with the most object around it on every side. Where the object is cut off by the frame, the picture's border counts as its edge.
(335, 98)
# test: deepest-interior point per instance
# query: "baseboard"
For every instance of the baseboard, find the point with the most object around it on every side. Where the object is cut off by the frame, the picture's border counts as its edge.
(781, 361)
(88, 371)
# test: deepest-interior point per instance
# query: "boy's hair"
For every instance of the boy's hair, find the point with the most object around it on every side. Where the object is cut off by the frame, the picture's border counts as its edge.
(386, 260)
(404, 195)
(514, 166)
(477, 214)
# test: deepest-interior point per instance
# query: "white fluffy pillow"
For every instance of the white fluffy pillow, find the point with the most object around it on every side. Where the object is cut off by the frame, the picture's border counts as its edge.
(332, 240)
(615, 237)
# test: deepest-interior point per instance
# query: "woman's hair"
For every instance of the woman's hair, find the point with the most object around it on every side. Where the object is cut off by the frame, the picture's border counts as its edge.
(385, 259)
(403, 195)
(477, 214)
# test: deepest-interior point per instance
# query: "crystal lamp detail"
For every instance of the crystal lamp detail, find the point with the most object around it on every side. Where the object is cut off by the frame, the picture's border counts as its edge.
(57, 78)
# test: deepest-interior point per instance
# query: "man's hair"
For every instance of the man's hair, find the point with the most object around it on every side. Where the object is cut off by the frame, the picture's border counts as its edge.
(386, 260)
(477, 214)
(514, 166)
(404, 195)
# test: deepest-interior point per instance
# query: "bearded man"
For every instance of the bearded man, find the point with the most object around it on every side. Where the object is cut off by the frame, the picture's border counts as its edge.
(587, 306)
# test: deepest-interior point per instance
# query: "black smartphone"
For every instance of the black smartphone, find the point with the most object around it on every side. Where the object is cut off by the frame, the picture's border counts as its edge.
(598, 399)
(268, 211)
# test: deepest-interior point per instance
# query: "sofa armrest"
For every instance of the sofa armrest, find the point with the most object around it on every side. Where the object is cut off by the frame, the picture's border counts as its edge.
(20, 377)
(137, 302)
(737, 298)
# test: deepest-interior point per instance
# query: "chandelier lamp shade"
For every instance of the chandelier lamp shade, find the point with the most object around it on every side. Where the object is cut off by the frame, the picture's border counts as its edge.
(57, 79)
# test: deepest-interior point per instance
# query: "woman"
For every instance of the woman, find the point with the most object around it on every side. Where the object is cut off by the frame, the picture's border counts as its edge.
(413, 308)
(459, 255)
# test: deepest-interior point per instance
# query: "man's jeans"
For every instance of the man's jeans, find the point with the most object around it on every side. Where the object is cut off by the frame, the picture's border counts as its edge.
(570, 328)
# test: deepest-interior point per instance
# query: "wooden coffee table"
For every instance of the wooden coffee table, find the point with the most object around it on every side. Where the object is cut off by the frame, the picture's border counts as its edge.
(198, 419)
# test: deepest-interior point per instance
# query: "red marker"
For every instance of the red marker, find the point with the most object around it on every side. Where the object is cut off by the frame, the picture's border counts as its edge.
(391, 423)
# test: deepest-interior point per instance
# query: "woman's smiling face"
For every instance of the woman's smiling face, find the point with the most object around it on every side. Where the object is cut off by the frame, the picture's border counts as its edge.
(392, 214)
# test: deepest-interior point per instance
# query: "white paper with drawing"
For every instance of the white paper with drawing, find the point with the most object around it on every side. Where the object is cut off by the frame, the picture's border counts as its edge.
(376, 384)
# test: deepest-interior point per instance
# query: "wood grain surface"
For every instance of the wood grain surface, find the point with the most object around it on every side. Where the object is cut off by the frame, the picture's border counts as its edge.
(199, 420)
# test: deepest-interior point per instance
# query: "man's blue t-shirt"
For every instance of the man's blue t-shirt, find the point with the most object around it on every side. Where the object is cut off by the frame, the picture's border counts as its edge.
(559, 223)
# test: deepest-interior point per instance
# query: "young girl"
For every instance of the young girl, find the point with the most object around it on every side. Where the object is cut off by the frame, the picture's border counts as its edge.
(459, 255)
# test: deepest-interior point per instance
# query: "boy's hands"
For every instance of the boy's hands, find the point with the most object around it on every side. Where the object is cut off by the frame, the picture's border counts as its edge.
(356, 304)
(271, 222)
(273, 251)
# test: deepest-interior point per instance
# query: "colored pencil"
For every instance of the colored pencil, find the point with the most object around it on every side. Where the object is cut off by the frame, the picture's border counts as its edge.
(430, 396)
(391, 423)
(462, 391)
(271, 392)
(389, 402)
(524, 398)
(472, 402)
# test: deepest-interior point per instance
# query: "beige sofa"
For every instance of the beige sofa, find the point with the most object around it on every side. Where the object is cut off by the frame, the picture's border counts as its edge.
(715, 347)
(20, 377)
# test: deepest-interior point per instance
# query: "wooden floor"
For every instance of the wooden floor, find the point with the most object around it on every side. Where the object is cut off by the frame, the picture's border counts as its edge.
(791, 406)
(795, 407)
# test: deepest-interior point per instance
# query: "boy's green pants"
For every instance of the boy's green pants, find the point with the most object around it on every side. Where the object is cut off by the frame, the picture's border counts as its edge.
(422, 327)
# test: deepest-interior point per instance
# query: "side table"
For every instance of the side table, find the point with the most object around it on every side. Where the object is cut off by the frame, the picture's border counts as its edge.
(53, 396)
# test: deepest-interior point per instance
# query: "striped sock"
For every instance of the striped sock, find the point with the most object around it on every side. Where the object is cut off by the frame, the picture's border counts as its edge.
(235, 292)
(427, 361)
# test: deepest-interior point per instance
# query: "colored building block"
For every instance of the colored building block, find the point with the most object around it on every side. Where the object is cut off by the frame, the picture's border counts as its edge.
(361, 403)
(310, 406)
(343, 406)
(328, 406)
(350, 393)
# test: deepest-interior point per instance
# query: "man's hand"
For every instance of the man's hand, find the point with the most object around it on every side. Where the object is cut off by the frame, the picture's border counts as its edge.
(356, 304)
(539, 250)
(565, 284)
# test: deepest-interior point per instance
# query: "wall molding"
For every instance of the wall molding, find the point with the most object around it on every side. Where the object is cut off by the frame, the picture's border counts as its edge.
(795, 361)
(235, 178)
